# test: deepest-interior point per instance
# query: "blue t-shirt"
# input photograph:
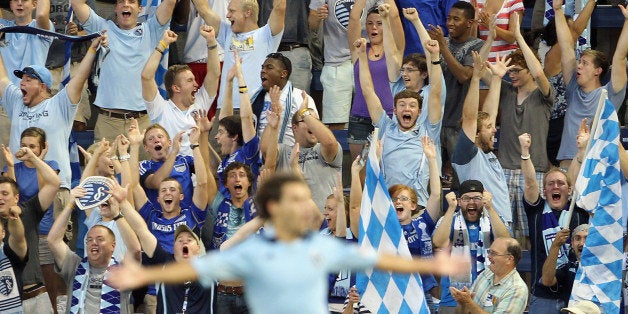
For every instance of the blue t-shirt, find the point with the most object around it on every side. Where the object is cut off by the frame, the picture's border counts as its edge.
(247, 154)
(182, 171)
(295, 271)
(163, 229)
(405, 148)
(28, 187)
(120, 84)
(418, 232)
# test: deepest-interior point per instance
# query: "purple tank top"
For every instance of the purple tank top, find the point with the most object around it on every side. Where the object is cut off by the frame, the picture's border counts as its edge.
(379, 73)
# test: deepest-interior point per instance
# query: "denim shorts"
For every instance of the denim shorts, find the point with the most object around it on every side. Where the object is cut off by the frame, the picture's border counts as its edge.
(359, 130)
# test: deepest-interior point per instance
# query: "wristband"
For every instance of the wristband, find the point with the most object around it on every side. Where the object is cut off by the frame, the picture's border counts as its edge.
(244, 90)
(305, 114)
(163, 44)
(113, 158)
(525, 157)
(125, 157)
(212, 47)
(193, 146)
(159, 50)
(579, 160)
(118, 216)
(91, 49)
(439, 61)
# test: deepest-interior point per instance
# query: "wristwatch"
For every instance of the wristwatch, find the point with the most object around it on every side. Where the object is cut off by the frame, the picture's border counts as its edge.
(118, 216)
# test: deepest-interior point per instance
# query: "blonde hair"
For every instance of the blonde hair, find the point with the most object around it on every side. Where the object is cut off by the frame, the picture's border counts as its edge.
(251, 5)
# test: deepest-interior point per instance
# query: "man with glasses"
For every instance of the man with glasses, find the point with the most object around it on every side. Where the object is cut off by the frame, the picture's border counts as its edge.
(524, 105)
(547, 215)
(499, 289)
(470, 230)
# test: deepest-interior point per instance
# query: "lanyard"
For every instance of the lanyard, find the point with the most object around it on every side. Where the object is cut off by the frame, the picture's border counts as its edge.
(185, 298)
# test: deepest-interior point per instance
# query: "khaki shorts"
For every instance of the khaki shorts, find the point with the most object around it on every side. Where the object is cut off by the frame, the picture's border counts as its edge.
(337, 92)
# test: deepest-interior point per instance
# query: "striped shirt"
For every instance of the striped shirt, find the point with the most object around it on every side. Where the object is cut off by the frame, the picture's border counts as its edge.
(509, 295)
(503, 17)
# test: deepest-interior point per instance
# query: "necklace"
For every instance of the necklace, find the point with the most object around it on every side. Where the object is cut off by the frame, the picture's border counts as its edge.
(376, 55)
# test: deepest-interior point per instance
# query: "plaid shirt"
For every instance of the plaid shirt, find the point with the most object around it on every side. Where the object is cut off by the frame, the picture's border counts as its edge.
(509, 295)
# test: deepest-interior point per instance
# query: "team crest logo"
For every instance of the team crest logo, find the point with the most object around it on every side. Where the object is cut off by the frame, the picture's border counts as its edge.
(342, 10)
(6, 285)
(95, 187)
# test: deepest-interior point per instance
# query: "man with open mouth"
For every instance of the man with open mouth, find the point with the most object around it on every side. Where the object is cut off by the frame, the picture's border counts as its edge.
(547, 216)
(471, 230)
(119, 96)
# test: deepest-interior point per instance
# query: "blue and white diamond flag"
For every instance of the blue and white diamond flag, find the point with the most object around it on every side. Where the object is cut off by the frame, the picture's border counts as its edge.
(385, 292)
(599, 185)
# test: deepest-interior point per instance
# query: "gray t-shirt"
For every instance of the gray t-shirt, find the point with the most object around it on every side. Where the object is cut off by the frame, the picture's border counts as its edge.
(336, 47)
(94, 288)
(320, 175)
(582, 105)
(532, 117)
(456, 92)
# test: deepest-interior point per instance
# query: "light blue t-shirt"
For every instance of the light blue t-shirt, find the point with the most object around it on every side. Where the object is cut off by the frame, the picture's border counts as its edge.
(253, 47)
(472, 164)
(294, 274)
(21, 50)
(54, 115)
(120, 74)
(582, 105)
(405, 148)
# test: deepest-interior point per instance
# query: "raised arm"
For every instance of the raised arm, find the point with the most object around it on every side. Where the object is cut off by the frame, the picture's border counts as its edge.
(277, 16)
(127, 233)
(226, 109)
(154, 179)
(75, 86)
(149, 85)
(373, 103)
(17, 236)
(440, 237)
(435, 72)
(207, 14)
(316, 17)
(578, 26)
(508, 34)
(92, 164)
(329, 144)
(164, 11)
(434, 200)
(581, 142)
(42, 14)
(548, 275)
(270, 138)
(131, 175)
(497, 224)
(461, 72)
(354, 29)
(341, 212)
(205, 125)
(81, 10)
(394, 55)
(472, 100)
(355, 195)
(246, 111)
(10, 162)
(531, 190)
(565, 42)
(4, 78)
(58, 248)
(499, 68)
(212, 78)
(618, 72)
(533, 63)
(200, 196)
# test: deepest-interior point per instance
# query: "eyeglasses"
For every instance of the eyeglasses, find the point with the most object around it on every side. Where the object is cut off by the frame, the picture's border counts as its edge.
(468, 198)
(515, 71)
(408, 70)
(400, 198)
(493, 253)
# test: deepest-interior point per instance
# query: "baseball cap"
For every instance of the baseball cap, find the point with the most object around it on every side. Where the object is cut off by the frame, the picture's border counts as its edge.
(36, 71)
(185, 228)
(582, 307)
(471, 186)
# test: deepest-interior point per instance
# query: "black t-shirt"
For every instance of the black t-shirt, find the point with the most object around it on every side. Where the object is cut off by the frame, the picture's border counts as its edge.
(534, 212)
(198, 298)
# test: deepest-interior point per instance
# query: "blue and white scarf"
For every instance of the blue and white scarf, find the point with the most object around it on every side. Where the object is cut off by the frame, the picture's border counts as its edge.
(550, 227)
(109, 297)
(9, 295)
(222, 219)
(462, 247)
